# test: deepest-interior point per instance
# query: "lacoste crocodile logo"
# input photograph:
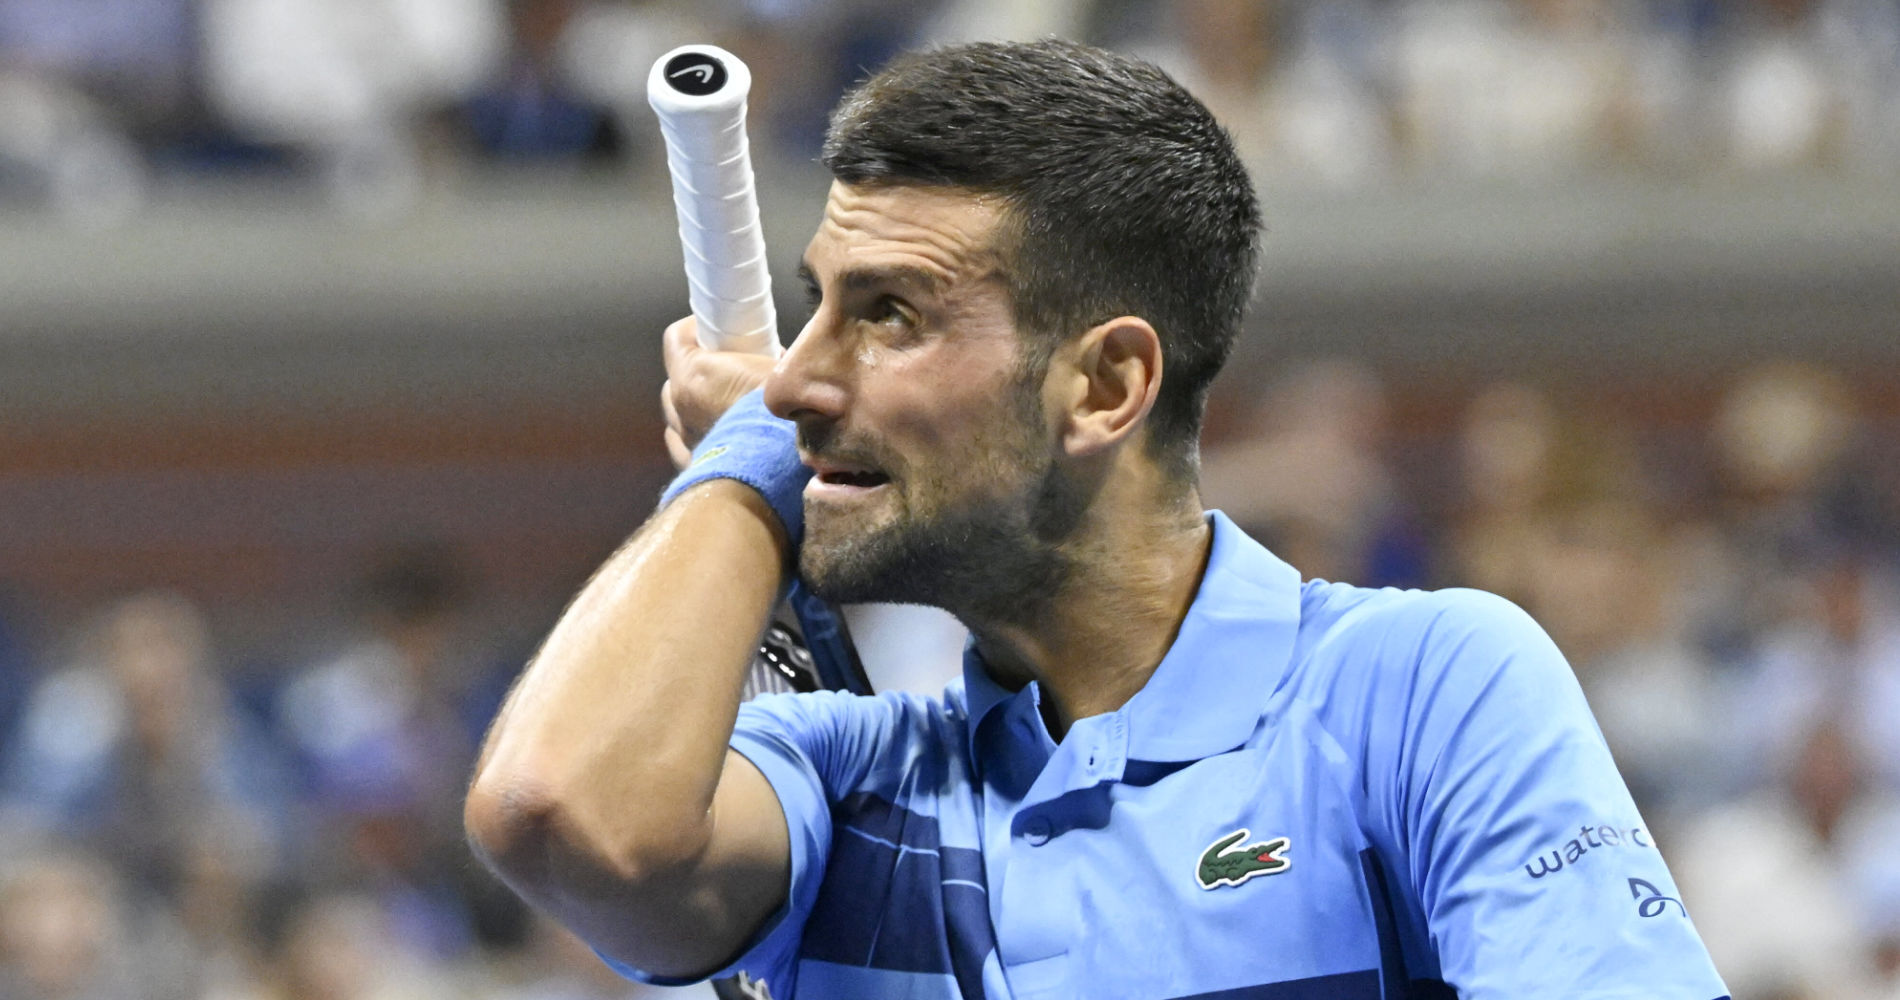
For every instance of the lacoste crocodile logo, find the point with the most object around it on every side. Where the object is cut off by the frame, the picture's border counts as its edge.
(1225, 862)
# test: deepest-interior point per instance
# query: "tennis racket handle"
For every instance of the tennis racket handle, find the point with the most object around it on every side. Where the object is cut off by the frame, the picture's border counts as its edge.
(699, 93)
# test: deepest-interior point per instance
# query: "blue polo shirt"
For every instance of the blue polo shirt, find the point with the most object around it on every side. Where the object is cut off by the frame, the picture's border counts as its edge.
(1322, 792)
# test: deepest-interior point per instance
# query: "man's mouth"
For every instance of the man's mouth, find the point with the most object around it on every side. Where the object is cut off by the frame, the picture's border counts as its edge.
(844, 480)
(855, 478)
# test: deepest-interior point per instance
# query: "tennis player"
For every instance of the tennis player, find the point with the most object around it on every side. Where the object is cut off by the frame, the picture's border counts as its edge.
(1170, 769)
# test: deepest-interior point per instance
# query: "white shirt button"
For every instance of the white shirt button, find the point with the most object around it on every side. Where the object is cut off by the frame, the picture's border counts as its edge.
(1036, 831)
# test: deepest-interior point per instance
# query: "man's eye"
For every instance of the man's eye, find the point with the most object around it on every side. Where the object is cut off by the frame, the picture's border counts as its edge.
(888, 310)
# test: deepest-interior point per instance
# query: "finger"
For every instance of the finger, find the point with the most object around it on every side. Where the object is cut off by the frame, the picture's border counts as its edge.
(668, 408)
(676, 449)
(680, 343)
(688, 435)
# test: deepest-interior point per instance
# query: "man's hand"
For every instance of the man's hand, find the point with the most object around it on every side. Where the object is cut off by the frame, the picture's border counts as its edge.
(700, 386)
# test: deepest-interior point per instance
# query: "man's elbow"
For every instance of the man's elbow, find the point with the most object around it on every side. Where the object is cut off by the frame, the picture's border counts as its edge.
(510, 828)
(624, 896)
(548, 847)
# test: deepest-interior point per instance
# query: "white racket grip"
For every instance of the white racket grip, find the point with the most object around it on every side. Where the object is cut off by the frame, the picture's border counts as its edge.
(699, 93)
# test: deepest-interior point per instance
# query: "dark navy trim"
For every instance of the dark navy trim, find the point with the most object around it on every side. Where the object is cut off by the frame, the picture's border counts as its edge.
(1344, 986)
(1142, 773)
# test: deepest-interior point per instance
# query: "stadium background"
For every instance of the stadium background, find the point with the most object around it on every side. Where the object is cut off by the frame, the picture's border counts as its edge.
(328, 361)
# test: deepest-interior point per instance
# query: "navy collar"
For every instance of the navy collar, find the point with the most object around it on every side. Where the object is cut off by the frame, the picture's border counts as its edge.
(1209, 691)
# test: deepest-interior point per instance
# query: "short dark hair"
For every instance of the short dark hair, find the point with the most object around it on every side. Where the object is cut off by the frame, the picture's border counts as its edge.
(1125, 196)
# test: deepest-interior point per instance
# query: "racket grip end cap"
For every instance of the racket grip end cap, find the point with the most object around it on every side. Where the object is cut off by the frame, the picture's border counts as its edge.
(698, 81)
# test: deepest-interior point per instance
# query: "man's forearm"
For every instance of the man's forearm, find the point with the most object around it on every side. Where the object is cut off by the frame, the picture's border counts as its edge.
(609, 749)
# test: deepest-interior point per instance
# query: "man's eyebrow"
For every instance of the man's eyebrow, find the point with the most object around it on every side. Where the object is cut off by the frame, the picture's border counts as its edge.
(858, 279)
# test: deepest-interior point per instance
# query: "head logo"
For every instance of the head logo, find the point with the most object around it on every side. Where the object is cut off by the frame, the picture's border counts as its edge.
(695, 73)
(1227, 862)
(1650, 901)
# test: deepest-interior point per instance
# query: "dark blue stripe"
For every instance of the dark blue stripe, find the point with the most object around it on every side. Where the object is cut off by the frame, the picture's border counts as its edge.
(1344, 986)
(871, 909)
(962, 864)
(876, 816)
(966, 918)
(894, 899)
(1391, 955)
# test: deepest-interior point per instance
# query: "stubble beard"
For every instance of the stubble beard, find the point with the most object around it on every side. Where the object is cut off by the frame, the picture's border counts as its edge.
(994, 554)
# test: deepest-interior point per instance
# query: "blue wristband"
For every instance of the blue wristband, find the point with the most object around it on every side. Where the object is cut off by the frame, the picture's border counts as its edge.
(758, 449)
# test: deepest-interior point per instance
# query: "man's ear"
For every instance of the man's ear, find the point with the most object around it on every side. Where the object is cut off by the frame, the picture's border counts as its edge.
(1114, 374)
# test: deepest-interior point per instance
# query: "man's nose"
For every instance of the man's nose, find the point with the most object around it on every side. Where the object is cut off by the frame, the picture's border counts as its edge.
(810, 380)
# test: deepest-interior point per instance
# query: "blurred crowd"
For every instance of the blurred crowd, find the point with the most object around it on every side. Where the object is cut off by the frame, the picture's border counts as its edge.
(367, 101)
(179, 822)
(173, 829)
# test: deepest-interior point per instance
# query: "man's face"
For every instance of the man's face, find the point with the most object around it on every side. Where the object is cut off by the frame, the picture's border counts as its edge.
(935, 464)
